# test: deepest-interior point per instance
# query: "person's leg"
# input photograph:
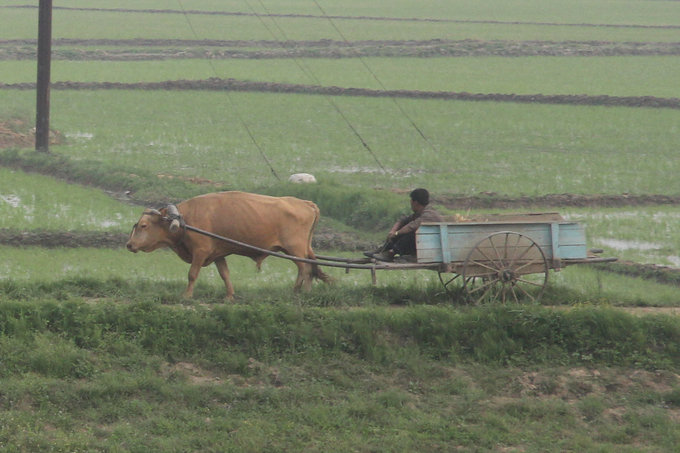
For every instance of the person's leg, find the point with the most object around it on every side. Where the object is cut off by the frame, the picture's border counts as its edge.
(405, 244)
(387, 245)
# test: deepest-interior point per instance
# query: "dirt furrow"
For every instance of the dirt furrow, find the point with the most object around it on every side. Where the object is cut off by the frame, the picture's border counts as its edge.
(216, 84)
(136, 50)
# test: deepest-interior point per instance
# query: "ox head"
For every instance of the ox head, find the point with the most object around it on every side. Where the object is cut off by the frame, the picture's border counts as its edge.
(154, 230)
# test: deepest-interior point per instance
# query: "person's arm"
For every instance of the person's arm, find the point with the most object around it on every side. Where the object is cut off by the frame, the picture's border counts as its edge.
(411, 226)
(395, 230)
(428, 215)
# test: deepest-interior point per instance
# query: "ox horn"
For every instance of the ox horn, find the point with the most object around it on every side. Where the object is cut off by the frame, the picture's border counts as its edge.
(152, 212)
(173, 213)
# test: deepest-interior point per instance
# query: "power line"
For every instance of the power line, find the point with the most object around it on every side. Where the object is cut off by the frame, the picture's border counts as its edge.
(308, 72)
(238, 115)
(403, 112)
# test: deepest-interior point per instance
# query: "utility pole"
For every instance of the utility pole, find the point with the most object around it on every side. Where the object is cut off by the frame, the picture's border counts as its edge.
(42, 117)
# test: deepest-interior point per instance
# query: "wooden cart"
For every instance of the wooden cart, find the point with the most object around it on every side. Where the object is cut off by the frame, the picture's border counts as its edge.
(504, 257)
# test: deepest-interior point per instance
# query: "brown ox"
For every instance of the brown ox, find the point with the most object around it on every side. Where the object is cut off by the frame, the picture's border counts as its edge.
(284, 224)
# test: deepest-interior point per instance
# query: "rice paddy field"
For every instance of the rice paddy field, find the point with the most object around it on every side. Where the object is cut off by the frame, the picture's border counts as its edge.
(495, 107)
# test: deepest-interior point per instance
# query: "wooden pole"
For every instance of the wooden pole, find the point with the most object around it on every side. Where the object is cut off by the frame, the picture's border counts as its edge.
(42, 117)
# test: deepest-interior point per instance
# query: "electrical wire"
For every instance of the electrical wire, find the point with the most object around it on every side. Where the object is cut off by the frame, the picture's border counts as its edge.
(308, 72)
(403, 112)
(233, 103)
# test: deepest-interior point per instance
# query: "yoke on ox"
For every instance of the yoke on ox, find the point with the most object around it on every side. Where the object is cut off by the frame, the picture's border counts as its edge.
(279, 224)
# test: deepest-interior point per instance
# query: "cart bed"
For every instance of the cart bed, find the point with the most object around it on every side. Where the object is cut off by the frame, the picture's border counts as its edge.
(452, 242)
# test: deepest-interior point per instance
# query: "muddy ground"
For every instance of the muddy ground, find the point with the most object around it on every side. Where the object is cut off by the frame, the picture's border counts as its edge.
(17, 133)
(149, 49)
(218, 84)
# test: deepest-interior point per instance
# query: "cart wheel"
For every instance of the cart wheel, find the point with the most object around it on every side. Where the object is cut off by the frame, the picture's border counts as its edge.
(447, 280)
(499, 266)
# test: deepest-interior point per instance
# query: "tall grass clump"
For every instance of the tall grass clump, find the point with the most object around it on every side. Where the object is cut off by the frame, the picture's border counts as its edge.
(367, 209)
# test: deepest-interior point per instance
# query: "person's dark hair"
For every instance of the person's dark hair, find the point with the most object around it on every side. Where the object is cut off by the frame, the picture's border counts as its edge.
(422, 196)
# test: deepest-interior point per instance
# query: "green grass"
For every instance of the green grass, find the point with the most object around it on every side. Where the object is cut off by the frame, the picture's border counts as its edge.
(579, 284)
(268, 330)
(143, 402)
(142, 376)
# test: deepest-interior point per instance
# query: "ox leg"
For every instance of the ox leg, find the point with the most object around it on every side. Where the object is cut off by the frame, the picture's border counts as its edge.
(197, 261)
(193, 275)
(304, 278)
(223, 270)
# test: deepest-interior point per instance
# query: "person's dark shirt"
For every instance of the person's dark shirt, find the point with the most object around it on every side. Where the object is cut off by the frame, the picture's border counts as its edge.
(411, 222)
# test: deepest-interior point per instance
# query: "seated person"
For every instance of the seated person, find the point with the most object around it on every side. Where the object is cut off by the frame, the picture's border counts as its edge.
(401, 240)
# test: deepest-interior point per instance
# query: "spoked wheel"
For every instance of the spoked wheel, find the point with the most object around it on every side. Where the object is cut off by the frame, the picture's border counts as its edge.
(447, 280)
(505, 266)
(454, 289)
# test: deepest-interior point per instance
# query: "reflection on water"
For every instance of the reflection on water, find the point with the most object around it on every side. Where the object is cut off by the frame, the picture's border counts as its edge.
(618, 244)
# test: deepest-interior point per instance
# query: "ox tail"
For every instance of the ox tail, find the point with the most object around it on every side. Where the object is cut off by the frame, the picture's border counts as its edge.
(316, 269)
(318, 273)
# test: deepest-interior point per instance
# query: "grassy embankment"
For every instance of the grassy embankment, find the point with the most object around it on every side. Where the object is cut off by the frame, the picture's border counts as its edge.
(84, 368)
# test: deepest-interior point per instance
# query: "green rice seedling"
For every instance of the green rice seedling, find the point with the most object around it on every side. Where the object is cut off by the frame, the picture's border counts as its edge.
(534, 10)
(516, 149)
(643, 234)
(581, 284)
(635, 75)
(53, 264)
(35, 202)
(535, 21)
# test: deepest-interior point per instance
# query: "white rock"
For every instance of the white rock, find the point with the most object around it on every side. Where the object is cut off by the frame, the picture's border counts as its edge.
(300, 178)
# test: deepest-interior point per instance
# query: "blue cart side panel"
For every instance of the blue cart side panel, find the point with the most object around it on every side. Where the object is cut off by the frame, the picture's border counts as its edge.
(571, 241)
(452, 242)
